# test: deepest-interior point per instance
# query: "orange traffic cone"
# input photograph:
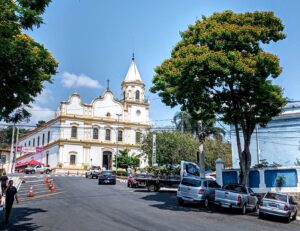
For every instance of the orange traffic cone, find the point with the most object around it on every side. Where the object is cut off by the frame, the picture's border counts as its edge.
(46, 179)
(30, 194)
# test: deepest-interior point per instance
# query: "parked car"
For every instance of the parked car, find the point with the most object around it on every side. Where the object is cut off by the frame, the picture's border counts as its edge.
(38, 169)
(107, 177)
(236, 196)
(278, 204)
(133, 183)
(197, 190)
(93, 172)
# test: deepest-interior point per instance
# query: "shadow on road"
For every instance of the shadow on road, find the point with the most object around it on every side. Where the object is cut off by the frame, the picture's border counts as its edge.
(20, 219)
(168, 202)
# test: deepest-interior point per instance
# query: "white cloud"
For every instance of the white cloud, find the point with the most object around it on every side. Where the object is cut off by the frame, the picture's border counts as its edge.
(40, 113)
(44, 97)
(70, 80)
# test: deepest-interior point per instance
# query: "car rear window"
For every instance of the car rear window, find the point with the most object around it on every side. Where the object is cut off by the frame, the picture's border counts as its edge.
(191, 182)
(277, 197)
(106, 172)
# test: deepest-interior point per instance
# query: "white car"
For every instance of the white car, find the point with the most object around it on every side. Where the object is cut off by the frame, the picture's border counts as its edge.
(93, 172)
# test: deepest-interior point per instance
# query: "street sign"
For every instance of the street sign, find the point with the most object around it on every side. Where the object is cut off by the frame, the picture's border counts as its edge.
(154, 150)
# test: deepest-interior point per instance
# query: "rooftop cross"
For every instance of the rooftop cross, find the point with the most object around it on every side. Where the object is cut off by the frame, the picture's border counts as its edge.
(107, 84)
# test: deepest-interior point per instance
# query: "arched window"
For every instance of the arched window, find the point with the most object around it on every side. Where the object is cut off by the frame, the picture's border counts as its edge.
(33, 143)
(95, 133)
(107, 134)
(137, 95)
(43, 139)
(38, 141)
(72, 159)
(48, 139)
(138, 137)
(108, 114)
(124, 95)
(120, 136)
(29, 143)
(25, 144)
(74, 132)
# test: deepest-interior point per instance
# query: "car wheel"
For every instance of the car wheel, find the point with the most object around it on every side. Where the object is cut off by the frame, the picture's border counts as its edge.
(130, 185)
(288, 219)
(32, 172)
(261, 215)
(86, 176)
(244, 209)
(151, 188)
(295, 216)
(47, 171)
(114, 183)
(180, 201)
(206, 202)
(99, 182)
(255, 209)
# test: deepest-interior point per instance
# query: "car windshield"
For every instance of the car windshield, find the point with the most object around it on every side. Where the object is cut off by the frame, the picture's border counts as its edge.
(277, 197)
(191, 182)
(106, 172)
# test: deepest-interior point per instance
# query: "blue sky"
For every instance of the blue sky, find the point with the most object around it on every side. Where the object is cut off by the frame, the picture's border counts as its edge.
(93, 40)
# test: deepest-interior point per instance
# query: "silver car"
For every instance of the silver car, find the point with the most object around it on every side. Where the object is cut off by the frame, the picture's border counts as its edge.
(278, 204)
(197, 190)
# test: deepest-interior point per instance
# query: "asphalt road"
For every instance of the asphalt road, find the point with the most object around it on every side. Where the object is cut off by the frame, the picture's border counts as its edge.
(82, 204)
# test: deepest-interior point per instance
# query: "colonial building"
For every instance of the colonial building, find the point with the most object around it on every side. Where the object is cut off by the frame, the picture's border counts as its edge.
(278, 142)
(91, 134)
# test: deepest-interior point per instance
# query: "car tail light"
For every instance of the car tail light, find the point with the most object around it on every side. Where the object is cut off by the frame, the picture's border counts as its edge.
(201, 191)
(239, 199)
(286, 207)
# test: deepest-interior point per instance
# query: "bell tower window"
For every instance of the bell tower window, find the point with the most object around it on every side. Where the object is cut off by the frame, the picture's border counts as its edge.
(137, 95)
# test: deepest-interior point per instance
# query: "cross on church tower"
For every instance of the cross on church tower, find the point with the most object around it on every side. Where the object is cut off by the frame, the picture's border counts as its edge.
(107, 84)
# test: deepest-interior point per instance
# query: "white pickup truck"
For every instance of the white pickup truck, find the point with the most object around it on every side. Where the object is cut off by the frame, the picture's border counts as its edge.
(38, 168)
(236, 196)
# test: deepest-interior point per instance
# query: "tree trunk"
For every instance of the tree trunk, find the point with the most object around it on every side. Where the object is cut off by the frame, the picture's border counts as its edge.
(245, 160)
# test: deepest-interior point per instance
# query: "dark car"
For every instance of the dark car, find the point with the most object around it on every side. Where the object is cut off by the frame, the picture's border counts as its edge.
(133, 183)
(107, 177)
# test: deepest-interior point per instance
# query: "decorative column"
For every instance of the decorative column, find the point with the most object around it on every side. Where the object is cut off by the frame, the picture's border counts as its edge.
(219, 171)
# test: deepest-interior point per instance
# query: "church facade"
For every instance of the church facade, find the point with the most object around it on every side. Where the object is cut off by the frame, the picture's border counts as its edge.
(83, 134)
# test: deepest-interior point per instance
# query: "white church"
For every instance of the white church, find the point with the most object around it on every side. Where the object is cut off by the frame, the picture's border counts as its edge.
(83, 134)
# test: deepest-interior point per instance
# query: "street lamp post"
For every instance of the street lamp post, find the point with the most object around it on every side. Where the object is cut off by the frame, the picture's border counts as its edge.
(117, 142)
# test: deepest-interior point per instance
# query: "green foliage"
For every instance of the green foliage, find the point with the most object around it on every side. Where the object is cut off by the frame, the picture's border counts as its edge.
(297, 162)
(280, 181)
(40, 123)
(219, 68)
(214, 149)
(24, 64)
(125, 161)
(6, 136)
(171, 147)
(265, 164)
(163, 170)
(121, 173)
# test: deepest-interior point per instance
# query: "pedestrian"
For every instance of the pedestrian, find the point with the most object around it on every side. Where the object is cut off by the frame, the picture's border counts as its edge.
(3, 180)
(11, 195)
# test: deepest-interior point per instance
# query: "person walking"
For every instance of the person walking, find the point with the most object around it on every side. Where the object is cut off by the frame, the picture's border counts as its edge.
(11, 195)
(3, 180)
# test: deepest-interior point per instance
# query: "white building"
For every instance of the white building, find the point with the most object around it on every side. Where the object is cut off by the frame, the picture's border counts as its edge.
(278, 142)
(90, 134)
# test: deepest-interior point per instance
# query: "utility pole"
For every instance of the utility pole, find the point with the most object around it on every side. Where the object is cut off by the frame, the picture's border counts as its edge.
(11, 151)
(117, 143)
(15, 153)
(257, 146)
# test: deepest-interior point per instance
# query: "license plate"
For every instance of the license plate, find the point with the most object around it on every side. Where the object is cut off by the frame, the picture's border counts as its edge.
(106, 181)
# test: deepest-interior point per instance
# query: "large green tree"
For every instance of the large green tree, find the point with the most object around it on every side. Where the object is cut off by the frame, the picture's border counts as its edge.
(171, 147)
(220, 68)
(24, 64)
(125, 160)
